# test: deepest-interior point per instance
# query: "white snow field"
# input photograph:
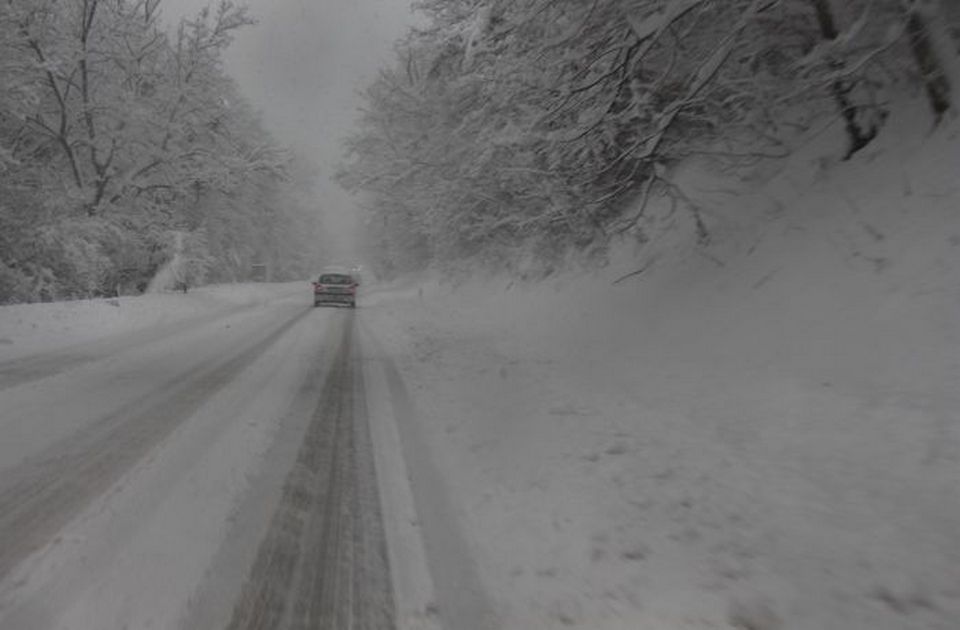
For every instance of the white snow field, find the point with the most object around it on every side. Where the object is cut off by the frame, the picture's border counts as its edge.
(761, 433)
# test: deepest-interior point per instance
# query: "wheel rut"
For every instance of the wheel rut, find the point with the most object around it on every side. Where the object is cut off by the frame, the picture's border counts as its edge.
(322, 563)
(42, 494)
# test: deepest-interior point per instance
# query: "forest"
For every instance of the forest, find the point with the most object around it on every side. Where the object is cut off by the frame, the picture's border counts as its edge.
(507, 134)
(125, 146)
(513, 134)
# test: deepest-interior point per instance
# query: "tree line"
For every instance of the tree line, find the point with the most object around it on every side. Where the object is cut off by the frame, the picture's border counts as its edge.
(125, 144)
(516, 130)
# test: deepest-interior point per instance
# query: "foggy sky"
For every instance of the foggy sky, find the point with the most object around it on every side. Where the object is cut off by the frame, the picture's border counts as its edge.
(301, 65)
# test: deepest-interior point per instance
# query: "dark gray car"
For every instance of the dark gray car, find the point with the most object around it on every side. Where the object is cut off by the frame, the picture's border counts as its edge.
(335, 288)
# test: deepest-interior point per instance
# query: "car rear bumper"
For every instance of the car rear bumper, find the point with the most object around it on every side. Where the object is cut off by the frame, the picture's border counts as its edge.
(334, 298)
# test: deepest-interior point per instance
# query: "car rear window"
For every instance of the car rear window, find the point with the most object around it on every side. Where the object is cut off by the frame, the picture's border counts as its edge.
(335, 278)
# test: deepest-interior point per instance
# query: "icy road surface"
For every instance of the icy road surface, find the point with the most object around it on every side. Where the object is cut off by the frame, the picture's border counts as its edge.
(214, 472)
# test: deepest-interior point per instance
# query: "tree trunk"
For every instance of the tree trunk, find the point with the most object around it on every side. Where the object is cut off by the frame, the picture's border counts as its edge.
(840, 89)
(921, 17)
(944, 47)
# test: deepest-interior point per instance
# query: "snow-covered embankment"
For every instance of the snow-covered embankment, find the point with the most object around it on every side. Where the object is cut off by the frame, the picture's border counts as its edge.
(763, 433)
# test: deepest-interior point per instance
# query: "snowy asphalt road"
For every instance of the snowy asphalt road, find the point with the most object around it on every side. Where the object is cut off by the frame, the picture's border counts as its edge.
(46, 364)
(323, 561)
(219, 473)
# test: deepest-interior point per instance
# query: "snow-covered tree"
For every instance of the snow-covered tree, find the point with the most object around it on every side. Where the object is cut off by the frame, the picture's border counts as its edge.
(113, 132)
(510, 127)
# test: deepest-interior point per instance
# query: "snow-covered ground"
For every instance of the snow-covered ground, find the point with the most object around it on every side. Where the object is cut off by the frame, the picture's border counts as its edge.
(759, 434)
(27, 329)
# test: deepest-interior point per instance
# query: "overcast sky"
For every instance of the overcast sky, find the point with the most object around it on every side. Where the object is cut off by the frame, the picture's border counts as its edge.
(302, 65)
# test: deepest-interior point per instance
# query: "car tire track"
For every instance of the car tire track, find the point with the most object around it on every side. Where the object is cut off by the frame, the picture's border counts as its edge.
(42, 494)
(322, 562)
(30, 368)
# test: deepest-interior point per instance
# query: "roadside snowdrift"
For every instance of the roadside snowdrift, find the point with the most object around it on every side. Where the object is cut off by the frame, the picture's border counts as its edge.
(759, 434)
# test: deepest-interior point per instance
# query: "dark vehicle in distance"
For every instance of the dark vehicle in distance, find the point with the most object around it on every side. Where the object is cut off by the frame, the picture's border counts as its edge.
(335, 287)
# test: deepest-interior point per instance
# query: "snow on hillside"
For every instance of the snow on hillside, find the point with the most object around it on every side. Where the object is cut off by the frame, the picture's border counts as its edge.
(762, 434)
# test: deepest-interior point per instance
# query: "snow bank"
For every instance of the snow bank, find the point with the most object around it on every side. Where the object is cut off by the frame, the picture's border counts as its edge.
(761, 434)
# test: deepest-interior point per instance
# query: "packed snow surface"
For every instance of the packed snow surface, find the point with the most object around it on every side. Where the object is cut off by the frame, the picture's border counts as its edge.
(27, 329)
(133, 555)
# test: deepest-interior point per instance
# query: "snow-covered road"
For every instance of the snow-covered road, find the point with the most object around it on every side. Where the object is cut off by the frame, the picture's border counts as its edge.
(215, 471)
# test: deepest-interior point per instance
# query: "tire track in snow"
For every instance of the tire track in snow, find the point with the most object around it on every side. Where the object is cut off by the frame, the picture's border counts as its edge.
(462, 602)
(40, 495)
(322, 562)
(39, 366)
